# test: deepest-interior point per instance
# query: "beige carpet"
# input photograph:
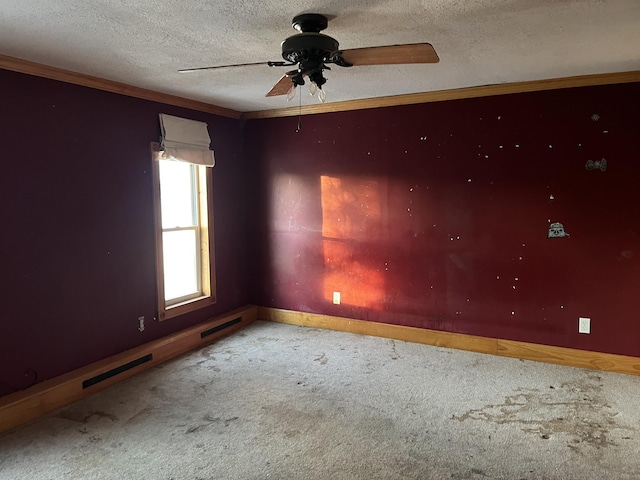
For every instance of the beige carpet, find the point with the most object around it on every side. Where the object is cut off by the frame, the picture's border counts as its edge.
(282, 402)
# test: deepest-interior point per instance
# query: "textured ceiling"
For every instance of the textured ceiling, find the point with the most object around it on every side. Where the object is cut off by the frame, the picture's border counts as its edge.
(480, 42)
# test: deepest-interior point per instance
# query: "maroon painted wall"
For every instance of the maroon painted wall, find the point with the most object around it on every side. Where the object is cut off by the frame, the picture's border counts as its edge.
(77, 238)
(436, 216)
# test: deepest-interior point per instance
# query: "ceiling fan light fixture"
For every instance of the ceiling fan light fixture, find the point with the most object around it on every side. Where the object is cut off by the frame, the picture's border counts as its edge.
(317, 77)
(291, 93)
(322, 96)
(296, 76)
(310, 49)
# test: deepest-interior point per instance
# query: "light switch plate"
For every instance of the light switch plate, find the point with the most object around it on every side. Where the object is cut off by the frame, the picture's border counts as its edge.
(584, 325)
(336, 298)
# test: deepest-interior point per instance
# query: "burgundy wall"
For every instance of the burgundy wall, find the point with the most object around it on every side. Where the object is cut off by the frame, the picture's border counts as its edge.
(77, 238)
(436, 216)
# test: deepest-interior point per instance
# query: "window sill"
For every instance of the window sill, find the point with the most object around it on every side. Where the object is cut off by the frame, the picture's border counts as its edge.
(186, 307)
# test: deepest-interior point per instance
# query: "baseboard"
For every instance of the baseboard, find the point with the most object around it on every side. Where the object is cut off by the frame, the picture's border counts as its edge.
(494, 346)
(21, 407)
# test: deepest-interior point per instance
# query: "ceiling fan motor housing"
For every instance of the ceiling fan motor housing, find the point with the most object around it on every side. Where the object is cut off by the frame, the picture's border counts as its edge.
(309, 45)
(310, 49)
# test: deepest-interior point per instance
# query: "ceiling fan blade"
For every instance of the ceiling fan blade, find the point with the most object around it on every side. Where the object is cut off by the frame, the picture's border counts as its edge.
(391, 55)
(187, 70)
(280, 88)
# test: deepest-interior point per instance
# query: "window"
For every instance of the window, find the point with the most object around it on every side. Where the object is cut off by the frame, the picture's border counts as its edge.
(183, 231)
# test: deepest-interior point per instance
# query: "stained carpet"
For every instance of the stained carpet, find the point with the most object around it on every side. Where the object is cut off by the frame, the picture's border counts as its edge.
(277, 401)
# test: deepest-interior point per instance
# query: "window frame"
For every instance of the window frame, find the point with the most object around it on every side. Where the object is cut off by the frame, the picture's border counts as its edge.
(204, 197)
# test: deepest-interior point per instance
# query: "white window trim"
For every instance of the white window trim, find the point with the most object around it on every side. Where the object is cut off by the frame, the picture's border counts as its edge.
(207, 260)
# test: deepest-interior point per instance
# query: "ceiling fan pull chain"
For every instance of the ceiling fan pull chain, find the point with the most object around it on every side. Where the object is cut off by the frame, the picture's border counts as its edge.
(299, 111)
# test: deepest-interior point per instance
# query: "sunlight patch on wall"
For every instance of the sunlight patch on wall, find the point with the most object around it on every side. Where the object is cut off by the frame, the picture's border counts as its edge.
(359, 284)
(352, 216)
(351, 208)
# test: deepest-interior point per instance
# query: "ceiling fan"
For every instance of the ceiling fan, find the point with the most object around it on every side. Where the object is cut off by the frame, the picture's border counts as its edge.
(309, 51)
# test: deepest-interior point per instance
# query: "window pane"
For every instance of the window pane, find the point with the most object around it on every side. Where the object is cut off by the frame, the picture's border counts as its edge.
(177, 199)
(180, 264)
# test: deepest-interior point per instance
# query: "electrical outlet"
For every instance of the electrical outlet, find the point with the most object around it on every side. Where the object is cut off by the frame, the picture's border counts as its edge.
(584, 325)
(336, 298)
(141, 324)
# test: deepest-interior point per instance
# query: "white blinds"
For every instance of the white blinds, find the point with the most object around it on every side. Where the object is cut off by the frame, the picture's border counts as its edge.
(185, 140)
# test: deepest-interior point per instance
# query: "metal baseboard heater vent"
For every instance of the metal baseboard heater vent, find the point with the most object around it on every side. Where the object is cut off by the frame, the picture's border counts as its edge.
(116, 371)
(213, 330)
(21, 407)
(147, 358)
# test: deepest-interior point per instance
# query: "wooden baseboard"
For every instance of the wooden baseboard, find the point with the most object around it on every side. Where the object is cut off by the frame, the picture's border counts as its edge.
(494, 346)
(21, 407)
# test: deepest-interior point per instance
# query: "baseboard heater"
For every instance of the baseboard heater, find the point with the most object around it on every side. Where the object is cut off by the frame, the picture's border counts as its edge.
(21, 407)
(116, 371)
(213, 330)
(147, 358)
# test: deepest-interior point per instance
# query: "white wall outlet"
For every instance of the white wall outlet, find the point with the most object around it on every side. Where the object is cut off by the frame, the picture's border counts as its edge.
(141, 324)
(584, 325)
(336, 298)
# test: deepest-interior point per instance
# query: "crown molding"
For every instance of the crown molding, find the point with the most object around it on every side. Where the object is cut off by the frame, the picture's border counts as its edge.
(54, 73)
(453, 94)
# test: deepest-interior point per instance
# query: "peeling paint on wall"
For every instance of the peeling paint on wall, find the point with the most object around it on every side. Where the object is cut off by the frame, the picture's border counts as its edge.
(556, 230)
(597, 165)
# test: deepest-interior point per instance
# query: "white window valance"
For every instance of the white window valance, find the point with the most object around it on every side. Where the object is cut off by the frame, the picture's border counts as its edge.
(185, 140)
